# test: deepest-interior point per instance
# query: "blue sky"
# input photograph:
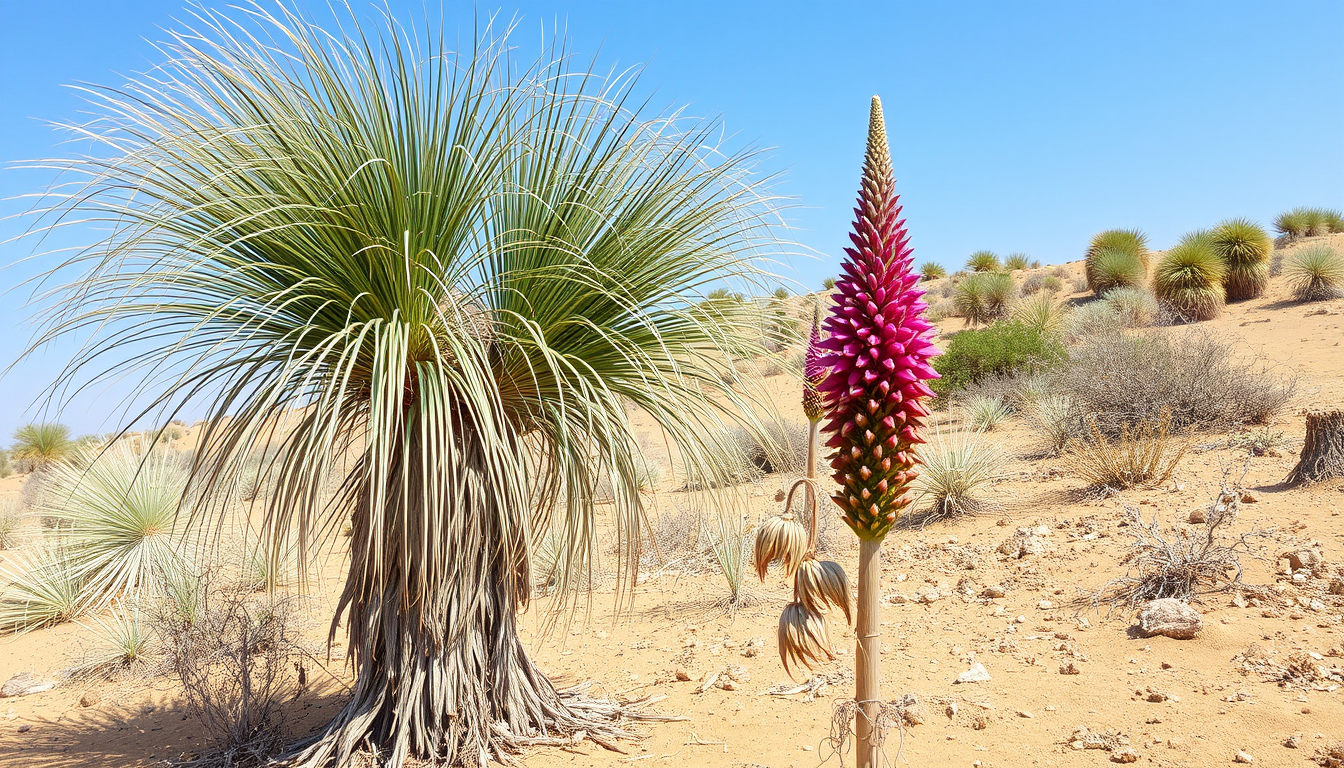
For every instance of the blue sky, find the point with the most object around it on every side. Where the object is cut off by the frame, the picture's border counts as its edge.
(1015, 126)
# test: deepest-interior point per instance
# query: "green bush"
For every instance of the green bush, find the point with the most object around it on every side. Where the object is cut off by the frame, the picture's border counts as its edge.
(1052, 284)
(985, 297)
(1016, 261)
(1308, 222)
(1315, 274)
(983, 261)
(1000, 349)
(1130, 241)
(1244, 247)
(930, 270)
(1188, 282)
(1114, 268)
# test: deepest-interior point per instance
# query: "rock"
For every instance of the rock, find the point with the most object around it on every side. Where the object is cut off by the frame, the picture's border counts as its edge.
(896, 598)
(1125, 755)
(1308, 559)
(728, 684)
(1070, 669)
(89, 699)
(1025, 714)
(1243, 757)
(1169, 617)
(1045, 605)
(931, 596)
(1156, 697)
(1248, 498)
(1337, 585)
(682, 675)
(24, 684)
(1198, 516)
(25, 728)
(1293, 742)
(976, 674)
(993, 591)
(1026, 541)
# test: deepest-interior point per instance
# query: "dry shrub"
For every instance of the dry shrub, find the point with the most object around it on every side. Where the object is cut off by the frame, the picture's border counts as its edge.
(1198, 378)
(1144, 455)
(236, 661)
(1183, 563)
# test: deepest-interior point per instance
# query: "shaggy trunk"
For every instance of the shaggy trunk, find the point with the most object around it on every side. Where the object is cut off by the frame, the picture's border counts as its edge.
(1323, 450)
(867, 653)
(441, 674)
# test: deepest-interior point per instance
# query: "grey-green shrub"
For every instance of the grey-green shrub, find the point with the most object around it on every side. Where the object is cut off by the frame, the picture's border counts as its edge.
(1132, 307)
(1315, 274)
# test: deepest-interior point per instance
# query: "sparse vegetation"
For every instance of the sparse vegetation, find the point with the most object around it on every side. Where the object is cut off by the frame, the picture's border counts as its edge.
(731, 546)
(1015, 261)
(1244, 247)
(1000, 349)
(6, 467)
(37, 446)
(122, 644)
(1052, 284)
(1315, 274)
(828, 284)
(1041, 312)
(983, 261)
(1141, 457)
(984, 297)
(1132, 307)
(983, 413)
(956, 473)
(1188, 281)
(42, 590)
(1130, 241)
(1113, 268)
(1054, 418)
(930, 270)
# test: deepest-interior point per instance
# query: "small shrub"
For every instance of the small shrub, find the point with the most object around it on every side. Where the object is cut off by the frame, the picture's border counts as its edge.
(1033, 285)
(1053, 418)
(37, 446)
(941, 309)
(985, 413)
(11, 523)
(1334, 220)
(1113, 268)
(1244, 247)
(985, 297)
(1000, 349)
(1144, 456)
(6, 467)
(1059, 271)
(1018, 390)
(1198, 378)
(1308, 222)
(1080, 285)
(122, 644)
(731, 544)
(1130, 241)
(983, 261)
(1035, 263)
(1188, 281)
(1052, 284)
(1132, 307)
(1092, 318)
(1315, 274)
(828, 284)
(1016, 261)
(782, 447)
(956, 471)
(42, 591)
(1257, 442)
(1041, 312)
(930, 270)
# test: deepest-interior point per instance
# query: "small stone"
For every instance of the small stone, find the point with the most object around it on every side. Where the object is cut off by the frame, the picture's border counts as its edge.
(1025, 713)
(1176, 742)
(1309, 560)
(1021, 619)
(1248, 498)
(1293, 742)
(931, 596)
(682, 675)
(728, 684)
(25, 728)
(1243, 757)
(89, 699)
(24, 684)
(1125, 755)
(1157, 697)
(738, 673)
(1199, 516)
(1070, 669)
(993, 592)
(1169, 617)
(976, 674)
(1045, 605)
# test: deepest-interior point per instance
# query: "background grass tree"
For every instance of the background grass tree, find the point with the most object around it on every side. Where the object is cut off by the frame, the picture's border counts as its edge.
(37, 446)
(1244, 247)
(456, 270)
(1130, 241)
(1188, 281)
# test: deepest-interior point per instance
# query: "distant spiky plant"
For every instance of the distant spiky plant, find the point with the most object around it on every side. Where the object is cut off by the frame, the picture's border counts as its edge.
(1244, 247)
(984, 413)
(1042, 312)
(956, 471)
(1112, 268)
(41, 445)
(1315, 274)
(1131, 241)
(1305, 221)
(1016, 261)
(1334, 219)
(984, 297)
(1132, 307)
(828, 284)
(1188, 281)
(931, 270)
(983, 261)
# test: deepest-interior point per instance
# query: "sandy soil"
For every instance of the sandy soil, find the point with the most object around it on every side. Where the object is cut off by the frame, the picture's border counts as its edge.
(1178, 703)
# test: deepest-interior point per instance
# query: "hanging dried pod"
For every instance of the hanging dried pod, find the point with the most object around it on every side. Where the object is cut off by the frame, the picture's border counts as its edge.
(802, 638)
(820, 584)
(780, 538)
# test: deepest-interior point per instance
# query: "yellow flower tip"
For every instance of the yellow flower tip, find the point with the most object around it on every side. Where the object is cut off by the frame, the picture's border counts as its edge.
(878, 161)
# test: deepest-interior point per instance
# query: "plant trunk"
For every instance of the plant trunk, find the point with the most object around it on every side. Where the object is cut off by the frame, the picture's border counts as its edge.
(866, 657)
(1322, 451)
(441, 674)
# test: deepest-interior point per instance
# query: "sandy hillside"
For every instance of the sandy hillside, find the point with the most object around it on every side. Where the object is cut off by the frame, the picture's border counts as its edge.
(1175, 702)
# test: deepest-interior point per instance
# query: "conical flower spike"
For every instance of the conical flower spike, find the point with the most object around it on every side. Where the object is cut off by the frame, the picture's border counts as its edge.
(820, 584)
(779, 539)
(802, 638)
(878, 351)
(813, 374)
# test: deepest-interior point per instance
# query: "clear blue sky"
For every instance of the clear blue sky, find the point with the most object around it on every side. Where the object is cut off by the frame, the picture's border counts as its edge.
(1015, 126)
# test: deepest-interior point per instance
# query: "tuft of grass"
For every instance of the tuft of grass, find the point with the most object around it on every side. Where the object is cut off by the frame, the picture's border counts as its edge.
(1132, 307)
(1016, 261)
(1052, 284)
(1093, 317)
(828, 284)
(984, 297)
(1334, 220)
(956, 472)
(11, 523)
(1042, 312)
(1113, 268)
(983, 261)
(1142, 456)
(123, 643)
(1308, 222)
(1053, 417)
(1131, 241)
(730, 544)
(1257, 442)
(1188, 281)
(37, 446)
(983, 414)
(42, 591)
(930, 270)
(1244, 247)
(1315, 274)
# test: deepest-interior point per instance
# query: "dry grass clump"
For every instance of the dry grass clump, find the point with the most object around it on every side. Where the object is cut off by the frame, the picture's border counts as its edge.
(1244, 247)
(1188, 281)
(1054, 418)
(1183, 563)
(985, 413)
(955, 474)
(11, 523)
(1132, 307)
(1315, 274)
(1199, 379)
(1042, 312)
(1141, 456)
(985, 297)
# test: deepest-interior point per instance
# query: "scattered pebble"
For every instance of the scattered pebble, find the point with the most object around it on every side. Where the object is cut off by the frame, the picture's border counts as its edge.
(976, 674)
(1243, 757)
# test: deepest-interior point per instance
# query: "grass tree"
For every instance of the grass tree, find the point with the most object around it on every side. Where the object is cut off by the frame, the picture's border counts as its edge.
(40, 445)
(879, 352)
(451, 273)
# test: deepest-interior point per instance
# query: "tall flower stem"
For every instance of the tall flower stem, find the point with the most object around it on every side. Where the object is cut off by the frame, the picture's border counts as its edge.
(866, 653)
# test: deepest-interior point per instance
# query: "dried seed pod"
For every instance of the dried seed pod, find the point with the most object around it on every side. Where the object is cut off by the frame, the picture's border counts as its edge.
(780, 538)
(820, 584)
(802, 638)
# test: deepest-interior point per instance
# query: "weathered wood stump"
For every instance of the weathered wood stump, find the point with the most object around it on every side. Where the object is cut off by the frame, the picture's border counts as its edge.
(1323, 451)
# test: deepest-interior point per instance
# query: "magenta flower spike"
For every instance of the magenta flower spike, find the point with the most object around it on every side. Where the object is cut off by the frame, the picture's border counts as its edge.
(813, 374)
(879, 350)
